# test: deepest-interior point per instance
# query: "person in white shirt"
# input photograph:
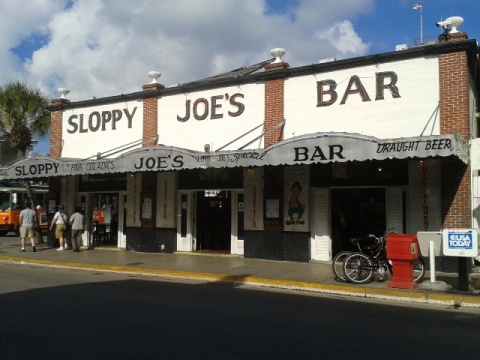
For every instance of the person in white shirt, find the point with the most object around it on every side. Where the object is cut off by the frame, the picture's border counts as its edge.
(78, 223)
(60, 219)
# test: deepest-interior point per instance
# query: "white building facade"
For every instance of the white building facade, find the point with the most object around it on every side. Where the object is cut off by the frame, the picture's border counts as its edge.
(274, 162)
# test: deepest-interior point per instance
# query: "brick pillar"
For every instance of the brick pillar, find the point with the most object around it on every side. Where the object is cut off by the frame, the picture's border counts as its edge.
(453, 37)
(274, 104)
(56, 127)
(454, 117)
(150, 114)
(274, 115)
(150, 133)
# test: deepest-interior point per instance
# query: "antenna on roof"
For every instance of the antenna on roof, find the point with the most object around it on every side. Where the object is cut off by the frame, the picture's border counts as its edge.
(419, 6)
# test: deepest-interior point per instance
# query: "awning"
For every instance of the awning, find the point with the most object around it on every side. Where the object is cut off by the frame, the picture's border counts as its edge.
(32, 168)
(309, 149)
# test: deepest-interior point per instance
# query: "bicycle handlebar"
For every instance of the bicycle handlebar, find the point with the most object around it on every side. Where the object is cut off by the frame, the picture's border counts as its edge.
(360, 239)
(378, 240)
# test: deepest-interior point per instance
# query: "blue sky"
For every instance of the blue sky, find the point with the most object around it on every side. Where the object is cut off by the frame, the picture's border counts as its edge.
(98, 48)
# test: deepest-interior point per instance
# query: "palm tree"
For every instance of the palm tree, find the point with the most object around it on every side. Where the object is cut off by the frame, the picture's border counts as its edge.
(22, 114)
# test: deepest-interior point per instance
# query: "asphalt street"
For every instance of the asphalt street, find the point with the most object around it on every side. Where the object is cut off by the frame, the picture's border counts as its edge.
(312, 276)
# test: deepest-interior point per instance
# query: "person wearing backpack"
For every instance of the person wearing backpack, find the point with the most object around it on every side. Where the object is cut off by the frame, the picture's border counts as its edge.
(60, 220)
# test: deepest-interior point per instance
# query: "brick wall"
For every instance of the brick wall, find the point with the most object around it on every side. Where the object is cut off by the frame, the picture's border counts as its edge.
(454, 117)
(150, 115)
(274, 115)
(56, 126)
(274, 105)
(272, 225)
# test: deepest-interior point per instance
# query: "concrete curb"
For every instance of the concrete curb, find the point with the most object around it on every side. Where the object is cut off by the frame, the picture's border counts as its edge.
(407, 296)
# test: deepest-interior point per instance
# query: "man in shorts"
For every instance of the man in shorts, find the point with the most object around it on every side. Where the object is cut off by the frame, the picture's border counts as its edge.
(78, 223)
(60, 219)
(28, 219)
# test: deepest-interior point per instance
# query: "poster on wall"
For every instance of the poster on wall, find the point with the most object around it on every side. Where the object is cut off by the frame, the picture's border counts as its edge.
(147, 209)
(52, 206)
(134, 187)
(272, 210)
(166, 187)
(296, 184)
(253, 198)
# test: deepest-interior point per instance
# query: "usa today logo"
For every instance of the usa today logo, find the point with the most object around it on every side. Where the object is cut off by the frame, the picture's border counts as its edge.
(460, 241)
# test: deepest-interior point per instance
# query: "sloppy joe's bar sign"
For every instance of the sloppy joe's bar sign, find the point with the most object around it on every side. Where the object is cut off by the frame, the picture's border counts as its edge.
(33, 168)
(315, 148)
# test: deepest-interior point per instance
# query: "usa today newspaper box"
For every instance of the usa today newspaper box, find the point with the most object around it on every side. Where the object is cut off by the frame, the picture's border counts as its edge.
(460, 242)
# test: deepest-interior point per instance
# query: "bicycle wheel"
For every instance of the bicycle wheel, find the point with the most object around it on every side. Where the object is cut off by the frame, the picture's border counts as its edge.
(418, 270)
(337, 265)
(358, 268)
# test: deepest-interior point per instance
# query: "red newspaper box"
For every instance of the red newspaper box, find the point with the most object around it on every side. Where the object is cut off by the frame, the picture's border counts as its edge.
(402, 250)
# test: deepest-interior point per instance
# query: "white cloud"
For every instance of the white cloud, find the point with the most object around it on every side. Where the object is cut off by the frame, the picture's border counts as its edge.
(342, 37)
(106, 47)
(20, 26)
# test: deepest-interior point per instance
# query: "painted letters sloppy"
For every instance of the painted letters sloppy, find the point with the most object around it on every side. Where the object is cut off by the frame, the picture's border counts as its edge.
(103, 121)
(37, 169)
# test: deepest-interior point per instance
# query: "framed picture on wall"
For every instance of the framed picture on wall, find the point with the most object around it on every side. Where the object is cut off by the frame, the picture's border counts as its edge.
(52, 206)
(272, 208)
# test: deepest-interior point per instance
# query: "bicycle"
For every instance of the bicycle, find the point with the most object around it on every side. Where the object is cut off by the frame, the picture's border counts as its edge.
(338, 260)
(360, 268)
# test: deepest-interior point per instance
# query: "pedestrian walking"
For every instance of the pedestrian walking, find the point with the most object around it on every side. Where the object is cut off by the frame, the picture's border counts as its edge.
(78, 224)
(28, 219)
(60, 220)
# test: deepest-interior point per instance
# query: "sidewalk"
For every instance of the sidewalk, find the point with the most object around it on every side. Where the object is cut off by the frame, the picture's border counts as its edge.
(236, 270)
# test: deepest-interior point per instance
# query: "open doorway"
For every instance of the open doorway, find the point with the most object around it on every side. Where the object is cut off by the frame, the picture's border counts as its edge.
(104, 219)
(214, 220)
(356, 212)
